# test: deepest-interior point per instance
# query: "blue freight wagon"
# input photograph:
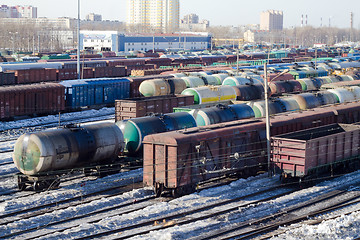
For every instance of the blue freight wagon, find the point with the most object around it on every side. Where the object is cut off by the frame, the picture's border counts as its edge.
(91, 92)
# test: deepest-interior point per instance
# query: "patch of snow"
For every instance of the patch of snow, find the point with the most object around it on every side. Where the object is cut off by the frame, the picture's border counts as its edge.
(54, 118)
(344, 227)
(71, 191)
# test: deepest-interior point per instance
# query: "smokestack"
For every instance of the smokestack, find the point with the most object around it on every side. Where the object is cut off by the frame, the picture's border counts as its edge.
(351, 20)
(306, 20)
(302, 20)
(321, 22)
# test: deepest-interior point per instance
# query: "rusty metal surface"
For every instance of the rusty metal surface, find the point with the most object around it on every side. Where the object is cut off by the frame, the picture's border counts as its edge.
(31, 99)
(298, 152)
(139, 107)
(175, 158)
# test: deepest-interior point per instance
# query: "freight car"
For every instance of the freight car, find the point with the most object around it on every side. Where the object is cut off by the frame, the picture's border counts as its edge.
(31, 100)
(316, 152)
(134, 130)
(42, 156)
(209, 94)
(91, 92)
(141, 107)
(178, 161)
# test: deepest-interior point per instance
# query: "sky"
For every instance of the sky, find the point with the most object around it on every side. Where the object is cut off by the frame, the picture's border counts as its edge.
(225, 12)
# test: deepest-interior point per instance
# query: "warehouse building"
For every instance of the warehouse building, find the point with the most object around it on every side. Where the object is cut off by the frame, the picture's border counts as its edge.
(124, 43)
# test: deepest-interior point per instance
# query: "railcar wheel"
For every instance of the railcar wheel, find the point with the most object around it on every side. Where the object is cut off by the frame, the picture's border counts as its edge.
(21, 186)
(87, 172)
(37, 186)
(158, 189)
(175, 193)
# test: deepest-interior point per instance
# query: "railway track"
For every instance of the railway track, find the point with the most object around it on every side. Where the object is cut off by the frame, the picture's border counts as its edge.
(24, 194)
(56, 123)
(27, 213)
(67, 179)
(138, 227)
(13, 133)
(289, 216)
(6, 163)
(314, 219)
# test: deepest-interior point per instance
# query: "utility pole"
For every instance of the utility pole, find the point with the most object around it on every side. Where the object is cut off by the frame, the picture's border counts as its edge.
(154, 43)
(315, 58)
(267, 119)
(237, 62)
(78, 41)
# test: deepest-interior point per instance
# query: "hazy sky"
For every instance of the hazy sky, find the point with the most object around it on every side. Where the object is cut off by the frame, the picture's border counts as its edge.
(224, 12)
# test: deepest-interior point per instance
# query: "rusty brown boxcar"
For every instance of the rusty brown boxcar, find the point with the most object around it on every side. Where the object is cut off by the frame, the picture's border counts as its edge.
(176, 161)
(32, 99)
(139, 107)
(329, 149)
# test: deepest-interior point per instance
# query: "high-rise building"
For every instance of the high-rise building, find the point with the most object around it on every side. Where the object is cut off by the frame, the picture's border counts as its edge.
(271, 20)
(18, 11)
(160, 15)
(191, 22)
(190, 18)
(93, 17)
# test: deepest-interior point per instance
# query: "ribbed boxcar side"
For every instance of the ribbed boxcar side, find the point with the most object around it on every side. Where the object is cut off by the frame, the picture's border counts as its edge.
(139, 107)
(313, 151)
(21, 102)
(284, 123)
(347, 113)
(2, 103)
(12, 101)
(178, 160)
(31, 99)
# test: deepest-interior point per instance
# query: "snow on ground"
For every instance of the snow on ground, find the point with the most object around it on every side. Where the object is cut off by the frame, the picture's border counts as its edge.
(70, 191)
(6, 157)
(6, 146)
(7, 183)
(262, 209)
(55, 118)
(344, 227)
(79, 210)
(8, 169)
(175, 206)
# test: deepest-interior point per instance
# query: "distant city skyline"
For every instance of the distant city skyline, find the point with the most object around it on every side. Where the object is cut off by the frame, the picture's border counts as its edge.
(229, 12)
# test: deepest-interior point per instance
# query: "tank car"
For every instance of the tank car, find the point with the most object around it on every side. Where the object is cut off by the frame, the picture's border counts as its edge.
(134, 130)
(41, 157)
(209, 94)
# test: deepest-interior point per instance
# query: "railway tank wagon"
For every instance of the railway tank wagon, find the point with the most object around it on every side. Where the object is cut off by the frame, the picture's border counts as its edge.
(39, 155)
(134, 130)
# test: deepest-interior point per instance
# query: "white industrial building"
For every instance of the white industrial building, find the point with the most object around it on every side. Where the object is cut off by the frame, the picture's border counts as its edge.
(127, 43)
